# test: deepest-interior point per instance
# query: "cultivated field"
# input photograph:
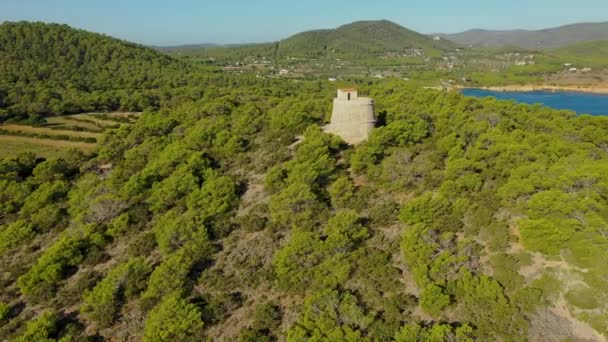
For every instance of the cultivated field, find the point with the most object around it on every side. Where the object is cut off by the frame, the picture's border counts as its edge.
(60, 134)
(69, 123)
(11, 146)
(49, 131)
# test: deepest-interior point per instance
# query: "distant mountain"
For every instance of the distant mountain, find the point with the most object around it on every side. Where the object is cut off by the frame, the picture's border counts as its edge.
(362, 38)
(185, 47)
(51, 69)
(540, 39)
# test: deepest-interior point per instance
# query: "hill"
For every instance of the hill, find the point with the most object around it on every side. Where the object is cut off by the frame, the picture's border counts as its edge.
(460, 219)
(51, 69)
(533, 39)
(363, 38)
(204, 222)
(589, 49)
(358, 39)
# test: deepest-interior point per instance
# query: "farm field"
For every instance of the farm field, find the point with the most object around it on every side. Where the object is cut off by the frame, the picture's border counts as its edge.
(93, 118)
(49, 131)
(11, 145)
(60, 134)
(69, 123)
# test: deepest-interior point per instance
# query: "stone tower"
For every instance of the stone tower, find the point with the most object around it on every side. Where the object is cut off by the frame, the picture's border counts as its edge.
(353, 117)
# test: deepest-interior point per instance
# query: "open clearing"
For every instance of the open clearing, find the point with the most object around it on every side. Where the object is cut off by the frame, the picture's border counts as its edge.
(81, 126)
(49, 131)
(64, 122)
(96, 120)
(124, 114)
(10, 146)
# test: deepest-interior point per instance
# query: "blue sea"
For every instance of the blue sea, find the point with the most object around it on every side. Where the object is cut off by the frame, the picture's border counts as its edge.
(581, 103)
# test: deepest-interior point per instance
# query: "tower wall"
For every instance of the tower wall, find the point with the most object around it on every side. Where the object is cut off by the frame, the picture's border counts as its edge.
(347, 94)
(352, 119)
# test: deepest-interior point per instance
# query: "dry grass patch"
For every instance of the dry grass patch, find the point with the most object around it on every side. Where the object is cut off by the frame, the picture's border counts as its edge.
(125, 114)
(66, 122)
(96, 120)
(11, 145)
(49, 131)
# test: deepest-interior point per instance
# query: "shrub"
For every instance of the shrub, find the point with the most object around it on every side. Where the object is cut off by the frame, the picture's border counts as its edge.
(170, 277)
(342, 192)
(433, 300)
(267, 316)
(142, 245)
(295, 206)
(331, 316)
(174, 229)
(4, 311)
(434, 211)
(124, 281)
(15, 235)
(41, 280)
(174, 319)
(41, 329)
(384, 213)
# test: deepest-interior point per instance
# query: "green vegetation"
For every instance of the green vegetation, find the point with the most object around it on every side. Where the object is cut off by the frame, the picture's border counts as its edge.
(4, 311)
(124, 281)
(355, 40)
(590, 54)
(364, 38)
(227, 213)
(51, 69)
(60, 134)
(174, 320)
(41, 329)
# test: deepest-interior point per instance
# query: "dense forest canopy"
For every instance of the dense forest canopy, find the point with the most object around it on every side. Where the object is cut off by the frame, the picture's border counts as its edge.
(50, 69)
(361, 39)
(459, 219)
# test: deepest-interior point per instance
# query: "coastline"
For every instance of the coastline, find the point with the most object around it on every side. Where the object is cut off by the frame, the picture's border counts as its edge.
(599, 89)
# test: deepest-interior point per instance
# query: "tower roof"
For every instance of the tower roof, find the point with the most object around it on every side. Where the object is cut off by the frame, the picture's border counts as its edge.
(348, 89)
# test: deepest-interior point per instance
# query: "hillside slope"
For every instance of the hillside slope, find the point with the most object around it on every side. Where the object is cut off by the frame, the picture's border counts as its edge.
(51, 69)
(206, 222)
(459, 219)
(533, 39)
(358, 39)
(590, 49)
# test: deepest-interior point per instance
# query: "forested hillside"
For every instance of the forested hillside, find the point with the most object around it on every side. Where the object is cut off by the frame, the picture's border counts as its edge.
(460, 219)
(224, 212)
(354, 40)
(548, 38)
(363, 38)
(50, 69)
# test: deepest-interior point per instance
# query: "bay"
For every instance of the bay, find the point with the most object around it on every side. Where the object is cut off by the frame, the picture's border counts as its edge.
(581, 103)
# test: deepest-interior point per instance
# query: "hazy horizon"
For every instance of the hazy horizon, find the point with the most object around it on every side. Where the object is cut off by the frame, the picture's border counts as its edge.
(188, 22)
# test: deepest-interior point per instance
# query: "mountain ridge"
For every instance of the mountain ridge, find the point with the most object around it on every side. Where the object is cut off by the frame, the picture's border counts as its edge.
(554, 37)
(359, 38)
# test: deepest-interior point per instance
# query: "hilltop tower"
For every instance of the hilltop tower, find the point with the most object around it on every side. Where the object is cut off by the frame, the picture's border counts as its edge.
(353, 117)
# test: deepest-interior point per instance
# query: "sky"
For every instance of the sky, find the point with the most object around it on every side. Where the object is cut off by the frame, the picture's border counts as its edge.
(174, 22)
